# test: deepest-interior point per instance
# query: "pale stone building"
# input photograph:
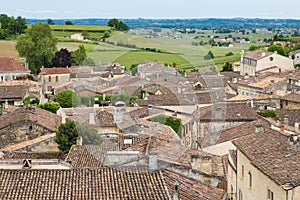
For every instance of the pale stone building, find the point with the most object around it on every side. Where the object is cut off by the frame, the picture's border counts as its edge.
(260, 60)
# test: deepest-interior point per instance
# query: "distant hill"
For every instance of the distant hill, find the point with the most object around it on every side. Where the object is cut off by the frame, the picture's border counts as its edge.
(203, 23)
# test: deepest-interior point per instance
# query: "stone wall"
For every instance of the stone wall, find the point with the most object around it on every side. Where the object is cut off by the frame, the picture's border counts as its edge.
(20, 132)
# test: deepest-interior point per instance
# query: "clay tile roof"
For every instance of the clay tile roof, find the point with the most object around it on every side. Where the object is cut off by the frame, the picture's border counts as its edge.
(189, 189)
(258, 54)
(10, 64)
(227, 112)
(40, 116)
(295, 97)
(236, 133)
(34, 155)
(88, 156)
(107, 183)
(268, 151)
(13, 92)
(61, 70)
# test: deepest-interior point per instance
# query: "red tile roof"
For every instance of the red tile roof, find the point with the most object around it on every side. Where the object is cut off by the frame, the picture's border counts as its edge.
(61, 70)
(10, 64)
(107, 183)
(270, 152)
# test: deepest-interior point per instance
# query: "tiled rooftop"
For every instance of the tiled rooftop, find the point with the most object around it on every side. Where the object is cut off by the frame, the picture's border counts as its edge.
(10, 64)
(227, 112)
(268, 151)
(59, 70)
(258, 54)
(242, 130)
(108, 183)
(39, 116)
(13, 91)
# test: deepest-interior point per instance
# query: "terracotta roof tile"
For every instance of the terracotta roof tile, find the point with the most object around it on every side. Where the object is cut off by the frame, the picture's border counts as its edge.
(269, 151)
(189, 189)
(258, 54)
(40, 116)
(108, 183)
(242, 130)
(13, 92)
(61, 70)
(10, 64)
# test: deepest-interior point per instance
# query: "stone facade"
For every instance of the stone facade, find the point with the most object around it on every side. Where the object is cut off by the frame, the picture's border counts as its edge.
(20, 132)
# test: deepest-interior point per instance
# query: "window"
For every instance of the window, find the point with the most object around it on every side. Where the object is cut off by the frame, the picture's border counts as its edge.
(56, 78)
(30, 127)
(271, 58)
(49, 78)
(242, 171)
(250, 179)
(270, 195)
(240, 195)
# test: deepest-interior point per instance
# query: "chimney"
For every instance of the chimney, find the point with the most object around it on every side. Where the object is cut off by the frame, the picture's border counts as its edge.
(286, 120)
(293, 141)
(6, 105)
(176, 191)
(92, 119)
(259, 128)
(282, 128)
(263, 54)
(297, 127)
(79, 140)
(1, 155)
(153, 162)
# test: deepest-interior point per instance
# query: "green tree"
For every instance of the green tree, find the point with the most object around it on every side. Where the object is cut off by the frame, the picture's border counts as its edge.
(89, 135)
(50, 22)
(68, 22)
(66, 136)
(134, 69)
(50, 106)
(209, 56)
(279, 49)
(227, 67)
(38, 46)
(253, 47)
(118, 25)
(85, 34)
(175, 124)
(229, 54)
(68, 99)
(78, 56)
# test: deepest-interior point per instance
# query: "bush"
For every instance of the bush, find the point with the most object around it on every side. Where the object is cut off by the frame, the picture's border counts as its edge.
(271, 114)
(50, 106)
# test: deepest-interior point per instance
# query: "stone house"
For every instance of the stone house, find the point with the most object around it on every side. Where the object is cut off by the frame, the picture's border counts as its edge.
(262, 87)
(259, 60)
(26, 123)
(156, 69)
(54, 77)
(267, 166)
(290, 101)
(14, 94)
(295, 55)
(211, 120)
(10, 69)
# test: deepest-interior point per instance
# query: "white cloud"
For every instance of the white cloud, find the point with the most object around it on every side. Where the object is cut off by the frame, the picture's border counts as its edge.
(27, 11)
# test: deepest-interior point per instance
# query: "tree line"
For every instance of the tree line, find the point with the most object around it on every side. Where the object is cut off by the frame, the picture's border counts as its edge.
(10, 26)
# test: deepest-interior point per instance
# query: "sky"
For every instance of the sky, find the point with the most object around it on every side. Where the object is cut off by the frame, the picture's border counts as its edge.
(152, 9)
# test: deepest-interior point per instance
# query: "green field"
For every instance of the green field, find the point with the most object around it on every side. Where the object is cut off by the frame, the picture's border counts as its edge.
(183, 47)
(135, 57)
(80, 28)
(7, 48)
